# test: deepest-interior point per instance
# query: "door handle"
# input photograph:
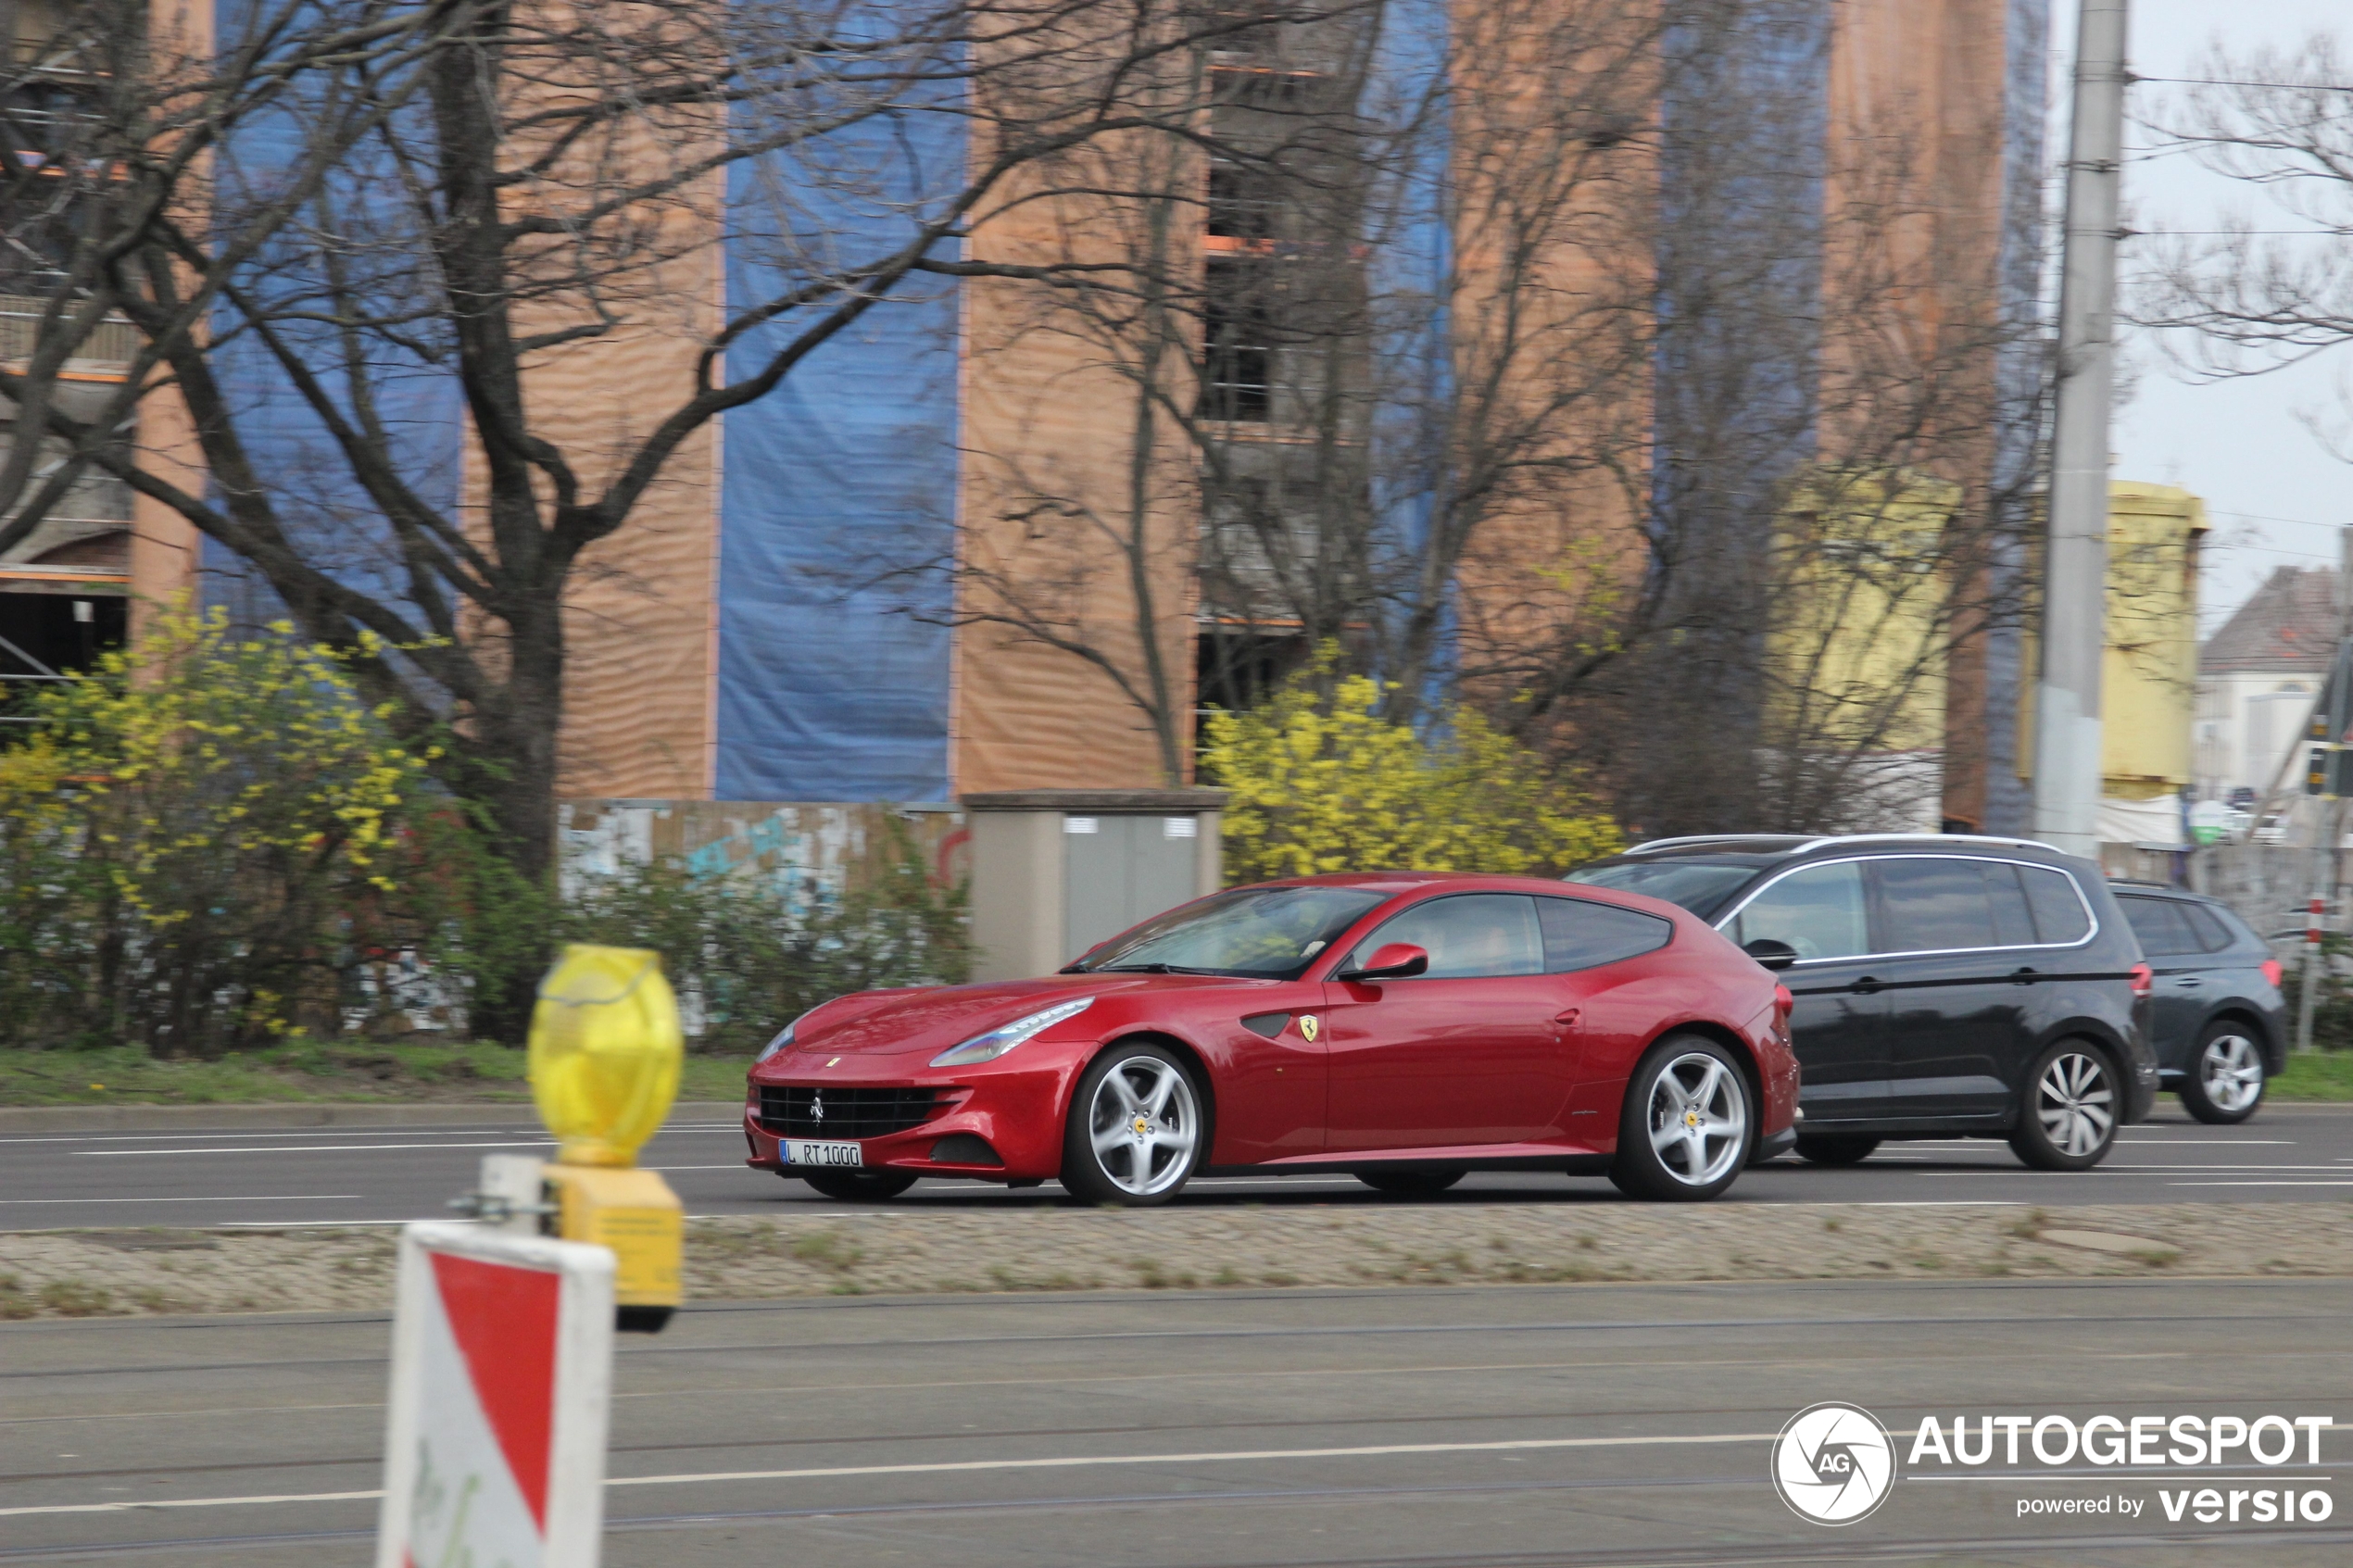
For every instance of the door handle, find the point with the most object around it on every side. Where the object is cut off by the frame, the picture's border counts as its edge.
(2025, 976)
(2189, 982)
(1566, 1015)
(1867, 985)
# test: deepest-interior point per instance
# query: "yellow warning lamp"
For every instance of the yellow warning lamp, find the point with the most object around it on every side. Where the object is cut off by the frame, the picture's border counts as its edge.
(606, 1050)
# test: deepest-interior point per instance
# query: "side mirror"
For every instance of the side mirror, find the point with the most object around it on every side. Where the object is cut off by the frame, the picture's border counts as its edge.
(1395, 960)
(1772, 954)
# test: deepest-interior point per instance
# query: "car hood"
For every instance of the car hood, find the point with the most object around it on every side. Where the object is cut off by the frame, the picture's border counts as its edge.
(937, 1017)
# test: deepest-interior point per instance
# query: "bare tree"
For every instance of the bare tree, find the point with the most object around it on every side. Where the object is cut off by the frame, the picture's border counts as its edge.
(2254, 298)
(1699, 491)
(458, 196)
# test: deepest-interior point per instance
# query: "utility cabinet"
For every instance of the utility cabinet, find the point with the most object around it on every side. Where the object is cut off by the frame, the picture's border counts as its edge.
(1056, 871)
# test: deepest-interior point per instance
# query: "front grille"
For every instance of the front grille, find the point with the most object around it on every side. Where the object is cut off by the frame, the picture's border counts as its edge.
(793, 1110)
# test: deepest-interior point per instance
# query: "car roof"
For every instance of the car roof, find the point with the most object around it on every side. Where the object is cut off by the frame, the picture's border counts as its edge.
(1403, 882)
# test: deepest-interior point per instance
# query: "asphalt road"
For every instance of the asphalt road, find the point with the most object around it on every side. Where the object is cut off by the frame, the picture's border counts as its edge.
(346, 1176)
(1519, 1426)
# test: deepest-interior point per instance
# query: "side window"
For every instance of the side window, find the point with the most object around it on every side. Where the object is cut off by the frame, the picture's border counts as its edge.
(1819, 912)
(1582, 934)
(2013, 925)
(2059, 915)
(1467, 936)
(2159, 923)
(1935, 903)
(2211, 934)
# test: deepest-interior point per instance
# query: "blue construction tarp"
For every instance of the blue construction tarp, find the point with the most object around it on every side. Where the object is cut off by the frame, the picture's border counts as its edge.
(838, 505)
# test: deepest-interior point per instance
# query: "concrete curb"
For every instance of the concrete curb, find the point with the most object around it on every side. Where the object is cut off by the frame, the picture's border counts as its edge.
(132, 1118)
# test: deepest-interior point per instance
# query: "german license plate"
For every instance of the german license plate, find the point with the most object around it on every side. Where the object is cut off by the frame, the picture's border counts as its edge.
(800, 1151)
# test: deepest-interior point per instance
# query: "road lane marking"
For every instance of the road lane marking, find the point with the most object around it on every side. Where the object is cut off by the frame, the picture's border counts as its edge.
(2260, 1183)
(540, 1139)
(286, 1198)
(1071, 1462)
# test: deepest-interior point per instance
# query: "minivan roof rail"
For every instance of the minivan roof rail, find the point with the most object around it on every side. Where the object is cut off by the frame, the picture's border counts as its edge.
(1928, 838)
(1799, 844)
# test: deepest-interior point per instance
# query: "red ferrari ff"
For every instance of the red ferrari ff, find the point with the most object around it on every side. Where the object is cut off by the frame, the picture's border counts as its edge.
(1406, 1027)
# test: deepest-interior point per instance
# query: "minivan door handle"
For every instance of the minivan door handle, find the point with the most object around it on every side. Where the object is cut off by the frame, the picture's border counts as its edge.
(2189, 982)
(1867, 984)
(2025, 976)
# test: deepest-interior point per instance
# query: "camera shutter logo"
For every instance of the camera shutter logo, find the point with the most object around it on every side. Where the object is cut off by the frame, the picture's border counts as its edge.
(1833, 1463)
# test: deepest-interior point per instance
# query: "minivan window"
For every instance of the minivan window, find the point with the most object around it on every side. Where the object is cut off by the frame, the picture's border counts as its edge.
(2160, 926)
(1581, 934)
(1818, 911)
(2059, 915)
(1942, 903)
(2211, 934)
(1469, 937)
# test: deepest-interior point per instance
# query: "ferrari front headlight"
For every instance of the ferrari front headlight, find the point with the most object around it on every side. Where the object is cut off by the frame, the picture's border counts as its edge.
(998, 1041)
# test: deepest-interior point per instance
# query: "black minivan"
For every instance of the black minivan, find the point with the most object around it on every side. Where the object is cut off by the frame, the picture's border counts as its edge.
(1944, 985)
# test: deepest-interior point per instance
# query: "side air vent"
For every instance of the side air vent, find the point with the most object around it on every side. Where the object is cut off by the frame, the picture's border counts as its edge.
(965, 1148)
(1268, 1024)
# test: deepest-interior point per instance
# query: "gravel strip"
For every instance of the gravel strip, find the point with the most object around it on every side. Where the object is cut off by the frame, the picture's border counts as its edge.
(862, 1251)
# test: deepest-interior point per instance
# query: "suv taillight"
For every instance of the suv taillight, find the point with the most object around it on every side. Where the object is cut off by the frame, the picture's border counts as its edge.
(2273, 971)
(2144, 979)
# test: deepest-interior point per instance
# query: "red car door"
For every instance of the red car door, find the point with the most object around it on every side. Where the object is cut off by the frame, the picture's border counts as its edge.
(1470, 1052)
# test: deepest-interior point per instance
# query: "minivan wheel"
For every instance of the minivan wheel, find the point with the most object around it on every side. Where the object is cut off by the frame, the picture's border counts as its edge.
(2225, 1081)
(1832, 1148)
(2068, 1119)
(1686, 1128)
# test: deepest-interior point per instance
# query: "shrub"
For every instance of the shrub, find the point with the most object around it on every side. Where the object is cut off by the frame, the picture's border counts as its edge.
(749, 953)
(219, 844)
(179, 838)
(1327, 784)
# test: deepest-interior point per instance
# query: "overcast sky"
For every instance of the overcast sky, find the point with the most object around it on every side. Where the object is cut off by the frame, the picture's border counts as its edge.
(2274, 495)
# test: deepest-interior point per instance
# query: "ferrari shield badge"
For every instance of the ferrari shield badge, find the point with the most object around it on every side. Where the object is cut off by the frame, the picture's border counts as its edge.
(1307, 1027)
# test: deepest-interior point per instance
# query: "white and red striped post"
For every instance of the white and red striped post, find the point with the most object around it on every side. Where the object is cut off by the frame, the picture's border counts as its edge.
(501, 1377)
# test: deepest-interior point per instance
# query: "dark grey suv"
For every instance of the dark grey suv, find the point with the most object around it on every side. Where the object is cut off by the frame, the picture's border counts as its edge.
(2219, 1024)
(1944, 985)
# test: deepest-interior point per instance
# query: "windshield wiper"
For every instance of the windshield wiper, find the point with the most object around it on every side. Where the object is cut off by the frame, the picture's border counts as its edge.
(1155, 968)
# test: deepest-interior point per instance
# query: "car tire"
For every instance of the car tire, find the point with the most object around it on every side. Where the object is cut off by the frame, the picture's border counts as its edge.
(1835, 1149)
(856, 1186)
(1411, 1184)
(1137, 1128)
(2066, 1116)
(2225, 1080)
(1688, 1125)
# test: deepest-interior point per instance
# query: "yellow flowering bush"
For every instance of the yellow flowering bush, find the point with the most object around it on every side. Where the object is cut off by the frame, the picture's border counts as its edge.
(1327, 784)
(189, 838)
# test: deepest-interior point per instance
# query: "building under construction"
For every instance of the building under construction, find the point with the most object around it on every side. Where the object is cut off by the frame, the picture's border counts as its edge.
(845, 591)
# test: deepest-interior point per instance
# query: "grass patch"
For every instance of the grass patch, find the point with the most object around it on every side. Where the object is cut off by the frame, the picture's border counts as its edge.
(303, 1070)
(2322, 1075)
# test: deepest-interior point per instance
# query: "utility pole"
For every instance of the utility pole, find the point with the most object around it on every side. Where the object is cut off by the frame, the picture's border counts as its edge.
(2067, 702)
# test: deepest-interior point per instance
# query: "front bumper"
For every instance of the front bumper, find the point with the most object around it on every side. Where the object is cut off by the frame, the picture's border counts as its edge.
(1017, 1114)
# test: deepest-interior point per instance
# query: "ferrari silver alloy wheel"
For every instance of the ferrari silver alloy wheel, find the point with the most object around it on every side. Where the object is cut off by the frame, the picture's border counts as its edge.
(1699, 1119)
(2230, 1071)
(2073, 1102)
(1143, 1124)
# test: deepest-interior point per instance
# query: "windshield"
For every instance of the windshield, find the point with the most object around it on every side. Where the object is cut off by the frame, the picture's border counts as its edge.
(1262, 932)
(1698, 885)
